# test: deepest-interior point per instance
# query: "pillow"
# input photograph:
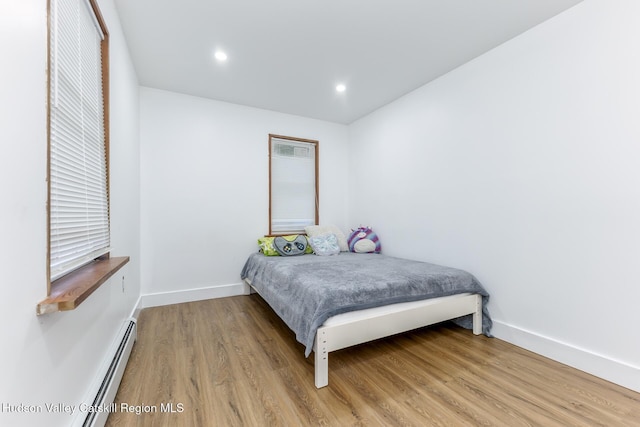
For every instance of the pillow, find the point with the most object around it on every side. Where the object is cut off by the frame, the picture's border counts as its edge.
(267, 247)
(318, 230)
(364, 240)
(287, 247)
(325, 244)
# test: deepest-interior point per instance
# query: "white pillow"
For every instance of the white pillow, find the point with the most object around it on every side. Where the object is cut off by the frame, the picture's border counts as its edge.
(326, 244)
(317, 230)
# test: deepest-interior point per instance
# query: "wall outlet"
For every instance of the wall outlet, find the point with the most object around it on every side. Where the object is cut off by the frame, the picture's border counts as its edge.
(122, 284)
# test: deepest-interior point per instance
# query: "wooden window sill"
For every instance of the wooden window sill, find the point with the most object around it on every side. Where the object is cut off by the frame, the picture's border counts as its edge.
(69, 291)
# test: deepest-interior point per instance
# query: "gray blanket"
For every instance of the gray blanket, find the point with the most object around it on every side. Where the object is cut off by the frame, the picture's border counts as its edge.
(306, 290)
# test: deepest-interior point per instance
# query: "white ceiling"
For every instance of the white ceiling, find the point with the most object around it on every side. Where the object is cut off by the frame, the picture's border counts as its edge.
(288, 55)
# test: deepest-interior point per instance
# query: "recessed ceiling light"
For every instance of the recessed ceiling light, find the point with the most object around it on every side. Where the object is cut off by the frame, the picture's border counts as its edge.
(341, 88)
(220, 56)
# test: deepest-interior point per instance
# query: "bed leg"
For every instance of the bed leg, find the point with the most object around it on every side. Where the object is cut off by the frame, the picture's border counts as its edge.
(477, 316)
(321, 359)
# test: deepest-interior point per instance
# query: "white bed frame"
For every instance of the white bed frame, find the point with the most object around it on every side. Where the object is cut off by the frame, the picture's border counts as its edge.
(348, 329)
(354, 328)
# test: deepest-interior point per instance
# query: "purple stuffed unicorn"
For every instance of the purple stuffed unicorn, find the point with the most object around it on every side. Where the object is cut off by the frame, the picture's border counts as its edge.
(363, 240)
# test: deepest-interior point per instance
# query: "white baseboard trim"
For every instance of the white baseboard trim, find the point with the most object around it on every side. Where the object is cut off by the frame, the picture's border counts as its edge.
(135, 312)
(601, 366)
(189, 295)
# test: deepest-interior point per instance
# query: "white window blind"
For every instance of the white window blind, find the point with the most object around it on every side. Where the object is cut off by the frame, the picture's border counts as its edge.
(293, 185)
(78, 190)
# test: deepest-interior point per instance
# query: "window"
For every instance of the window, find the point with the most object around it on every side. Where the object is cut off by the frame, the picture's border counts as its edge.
(78, 136)
(293, 184)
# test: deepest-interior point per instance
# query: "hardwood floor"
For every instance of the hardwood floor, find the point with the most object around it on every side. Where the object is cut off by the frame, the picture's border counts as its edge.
(233, 362)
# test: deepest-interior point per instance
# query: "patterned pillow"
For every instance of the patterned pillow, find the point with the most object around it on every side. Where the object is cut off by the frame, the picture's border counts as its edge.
(318, 230)
(268, 249)
(266, 246)
(287, 247)
(325, 244)
(364, 240)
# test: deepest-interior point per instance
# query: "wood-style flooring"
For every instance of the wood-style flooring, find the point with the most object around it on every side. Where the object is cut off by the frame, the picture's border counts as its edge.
(233, 362)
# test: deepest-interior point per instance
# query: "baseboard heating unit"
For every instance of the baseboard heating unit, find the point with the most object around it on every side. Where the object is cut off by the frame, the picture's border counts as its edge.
(106, 387)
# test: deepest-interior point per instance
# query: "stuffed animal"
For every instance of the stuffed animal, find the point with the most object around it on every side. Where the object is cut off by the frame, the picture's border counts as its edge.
(364, 240)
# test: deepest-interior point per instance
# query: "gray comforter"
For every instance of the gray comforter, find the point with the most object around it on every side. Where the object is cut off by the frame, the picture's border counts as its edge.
(306, 290)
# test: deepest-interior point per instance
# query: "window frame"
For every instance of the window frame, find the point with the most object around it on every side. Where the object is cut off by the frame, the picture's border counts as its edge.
(316, 147)
(69, 290)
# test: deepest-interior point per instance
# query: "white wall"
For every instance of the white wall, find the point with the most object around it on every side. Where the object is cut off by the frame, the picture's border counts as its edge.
(522, 167)
(54, 358)
(205, 187)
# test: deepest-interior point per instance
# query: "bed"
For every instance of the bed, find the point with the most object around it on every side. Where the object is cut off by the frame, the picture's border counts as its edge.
(333, 302)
